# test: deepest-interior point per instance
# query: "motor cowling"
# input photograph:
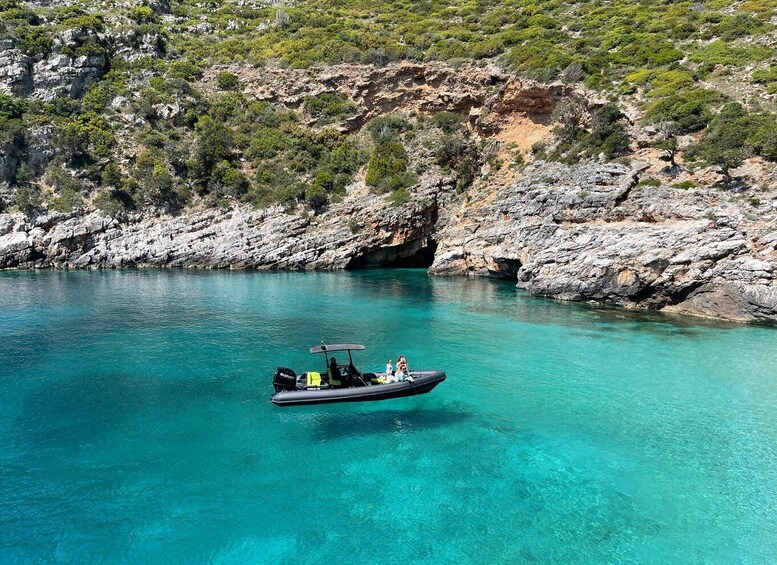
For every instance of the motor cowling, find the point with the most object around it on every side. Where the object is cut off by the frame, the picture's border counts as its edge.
(284, 379)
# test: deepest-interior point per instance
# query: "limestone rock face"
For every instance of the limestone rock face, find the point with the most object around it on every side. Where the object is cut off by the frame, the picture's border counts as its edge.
(407, 87)
(592, 233)
(588, 232)
(66, 75)
(61, 73)
(15, 71)
(363, 229)
(55, 75)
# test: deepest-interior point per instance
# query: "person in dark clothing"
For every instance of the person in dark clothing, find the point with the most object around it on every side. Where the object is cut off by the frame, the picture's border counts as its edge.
(354, 375)
(334, 373)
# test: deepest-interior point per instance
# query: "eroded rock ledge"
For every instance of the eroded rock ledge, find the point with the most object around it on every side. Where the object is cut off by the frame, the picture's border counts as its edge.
(588, 232)
(593, 233)
(363, 225)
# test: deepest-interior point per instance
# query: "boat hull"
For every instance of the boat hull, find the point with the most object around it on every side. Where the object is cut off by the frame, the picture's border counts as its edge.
(424, 381)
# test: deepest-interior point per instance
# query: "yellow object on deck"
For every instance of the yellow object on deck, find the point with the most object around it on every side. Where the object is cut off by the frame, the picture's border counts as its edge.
(314, 379)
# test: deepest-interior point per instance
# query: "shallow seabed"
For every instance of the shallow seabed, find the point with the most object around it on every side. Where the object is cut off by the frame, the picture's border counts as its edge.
(135, 426)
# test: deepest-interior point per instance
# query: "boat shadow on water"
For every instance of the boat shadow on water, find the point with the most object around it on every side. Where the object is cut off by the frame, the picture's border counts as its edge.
(332, 426)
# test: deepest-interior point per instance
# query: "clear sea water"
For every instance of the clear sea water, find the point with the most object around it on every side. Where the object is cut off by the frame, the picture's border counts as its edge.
(135, 425)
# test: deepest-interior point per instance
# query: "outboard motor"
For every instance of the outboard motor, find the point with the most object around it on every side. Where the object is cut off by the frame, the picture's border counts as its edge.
(284, 379)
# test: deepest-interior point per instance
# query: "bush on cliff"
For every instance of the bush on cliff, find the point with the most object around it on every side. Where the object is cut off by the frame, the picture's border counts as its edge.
(28, 198)
(226, 81)
(387, 127)
(608, 134)
(734, 135)
(69, 190)
(329, 107)
(154, 183)
(387, 169)
(84, 138)
(215, 143)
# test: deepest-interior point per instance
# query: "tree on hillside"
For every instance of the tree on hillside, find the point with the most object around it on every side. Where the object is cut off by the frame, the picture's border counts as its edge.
(725, 142)
(570, 113)
(608, 134)
(215, 143)
(667, 142)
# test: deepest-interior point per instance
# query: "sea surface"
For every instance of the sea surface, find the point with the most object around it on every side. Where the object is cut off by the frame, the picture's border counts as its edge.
(135, 425)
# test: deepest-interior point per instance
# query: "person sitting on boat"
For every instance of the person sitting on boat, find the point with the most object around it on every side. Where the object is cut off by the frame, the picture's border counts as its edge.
(389, 372)
(333, 373)
(402, 371)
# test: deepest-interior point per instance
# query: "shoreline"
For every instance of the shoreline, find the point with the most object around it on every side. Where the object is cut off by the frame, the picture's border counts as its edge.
(593, 235)
(667, 315)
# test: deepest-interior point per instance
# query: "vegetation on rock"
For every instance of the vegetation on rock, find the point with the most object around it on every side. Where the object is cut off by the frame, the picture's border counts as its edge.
(152, 123)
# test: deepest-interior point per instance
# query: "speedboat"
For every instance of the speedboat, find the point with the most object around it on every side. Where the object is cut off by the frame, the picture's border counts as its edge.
(352, 385)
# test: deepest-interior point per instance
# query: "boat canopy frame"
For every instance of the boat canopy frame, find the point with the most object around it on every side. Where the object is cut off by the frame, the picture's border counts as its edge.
(324, 348)
(327, 349)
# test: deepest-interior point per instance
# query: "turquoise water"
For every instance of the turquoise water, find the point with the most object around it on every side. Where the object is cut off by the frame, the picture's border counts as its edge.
(135, 426)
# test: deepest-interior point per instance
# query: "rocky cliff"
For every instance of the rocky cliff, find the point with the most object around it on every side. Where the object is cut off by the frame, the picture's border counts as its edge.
(590, 232)
(639, 234)
(594, 233)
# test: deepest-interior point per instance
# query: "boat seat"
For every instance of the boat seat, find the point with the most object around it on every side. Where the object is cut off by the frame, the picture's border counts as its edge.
(313, 379)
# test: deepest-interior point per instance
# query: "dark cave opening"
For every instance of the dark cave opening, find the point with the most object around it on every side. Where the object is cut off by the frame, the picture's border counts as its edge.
(412, 254)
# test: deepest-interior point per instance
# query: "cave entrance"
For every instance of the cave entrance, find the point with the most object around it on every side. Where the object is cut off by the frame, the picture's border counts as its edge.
(413, 254)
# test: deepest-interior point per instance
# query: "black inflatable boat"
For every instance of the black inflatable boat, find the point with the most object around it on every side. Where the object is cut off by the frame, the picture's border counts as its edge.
(348, 384)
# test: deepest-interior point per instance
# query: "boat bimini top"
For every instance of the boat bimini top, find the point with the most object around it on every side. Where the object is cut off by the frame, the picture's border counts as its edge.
(324, 348)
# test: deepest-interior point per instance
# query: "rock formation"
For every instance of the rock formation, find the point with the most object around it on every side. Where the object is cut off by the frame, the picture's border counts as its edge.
(587, 232)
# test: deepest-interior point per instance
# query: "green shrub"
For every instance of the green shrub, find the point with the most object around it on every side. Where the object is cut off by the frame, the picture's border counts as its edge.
(86, 22)
(28, 198)
(142, 14)
(316, 196)
(34, 41)
(399, 197)
(12, 10)
(97, 97)
(70, 190)
(449, 151)
(542, 60)
(685, 185)
(608, 134)
(448, 122)
(154, 182)
(226, 81)
(740, 25)
(387, 127)
(85, 137)
(185, 70)
(215, 143)
(691, 110)
(723, 53)
(329, 107)
(387, 169)
(765, 75)
(724, 143)
(114, 202)
(267, 143)
(226, 180)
